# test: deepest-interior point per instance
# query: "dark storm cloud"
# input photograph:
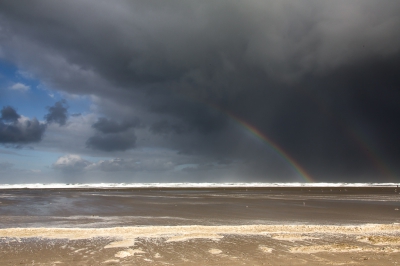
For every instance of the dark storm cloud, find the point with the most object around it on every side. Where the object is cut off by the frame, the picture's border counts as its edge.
(164, 127)
(344, 122)
(58, 113)
(112, 142)
(318, 77)
(19, 131)
(198, 47)
(106, 126)
(8, 114)
(206, 167)
(113, 135)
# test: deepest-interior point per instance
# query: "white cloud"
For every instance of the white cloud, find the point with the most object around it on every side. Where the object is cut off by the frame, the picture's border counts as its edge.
(71, 163)
(20, 87)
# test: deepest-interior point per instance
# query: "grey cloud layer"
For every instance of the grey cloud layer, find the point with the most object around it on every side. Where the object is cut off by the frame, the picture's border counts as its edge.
(320, 78)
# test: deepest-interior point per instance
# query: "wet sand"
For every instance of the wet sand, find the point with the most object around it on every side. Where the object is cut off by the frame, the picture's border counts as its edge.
(235, 226)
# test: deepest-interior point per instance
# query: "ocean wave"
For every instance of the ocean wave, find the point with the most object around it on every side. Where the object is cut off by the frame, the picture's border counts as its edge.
(189, 185)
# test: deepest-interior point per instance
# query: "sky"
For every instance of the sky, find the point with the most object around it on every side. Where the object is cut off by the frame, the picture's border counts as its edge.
(199, 91)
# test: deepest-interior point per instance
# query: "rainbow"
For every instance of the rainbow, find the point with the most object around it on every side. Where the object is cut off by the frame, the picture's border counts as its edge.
(356, 135)
(372, 156)
(292, 162)
(273, 145)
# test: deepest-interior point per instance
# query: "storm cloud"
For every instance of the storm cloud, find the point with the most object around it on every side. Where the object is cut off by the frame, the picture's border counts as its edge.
(165, 127)
(15, 129)
(318, 78)
(58, 113)
(112, 142)
(107, 126)
(9, 114)
(112, 135)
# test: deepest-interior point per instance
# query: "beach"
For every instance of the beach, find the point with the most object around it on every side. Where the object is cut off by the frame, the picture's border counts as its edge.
(315, 225)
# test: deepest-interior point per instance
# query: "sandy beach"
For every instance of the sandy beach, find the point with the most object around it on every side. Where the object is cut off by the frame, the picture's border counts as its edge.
(209, 226)
(200, 132)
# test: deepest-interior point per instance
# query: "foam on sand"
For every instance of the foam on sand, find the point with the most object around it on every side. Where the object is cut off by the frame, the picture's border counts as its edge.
(121, 244)
(339, 248)
(215, 251)
(381, 240)
(189, 236)
(181, 233)
(265, 249)
(128, 253)
(292, 237)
